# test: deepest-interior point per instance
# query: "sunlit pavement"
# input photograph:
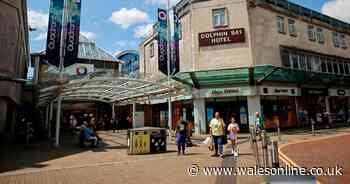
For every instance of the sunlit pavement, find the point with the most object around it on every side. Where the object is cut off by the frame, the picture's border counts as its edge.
(42, 163)
(326, 152)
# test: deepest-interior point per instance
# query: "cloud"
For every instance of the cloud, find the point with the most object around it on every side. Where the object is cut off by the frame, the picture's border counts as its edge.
(38, 20)
(162, 2)
(127, 17)
(338, 9)
(89, 35)
(40, 37)
(143, 31)
(125, 43)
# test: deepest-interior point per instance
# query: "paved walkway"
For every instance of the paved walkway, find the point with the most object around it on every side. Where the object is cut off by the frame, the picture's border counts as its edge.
(326, 152)
(41, 163)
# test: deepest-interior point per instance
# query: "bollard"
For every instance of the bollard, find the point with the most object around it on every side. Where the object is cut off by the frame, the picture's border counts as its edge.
(274, 154)
(254, 145)
(264, 141)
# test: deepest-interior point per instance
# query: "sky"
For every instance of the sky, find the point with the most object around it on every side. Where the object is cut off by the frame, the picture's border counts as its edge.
(117, 25)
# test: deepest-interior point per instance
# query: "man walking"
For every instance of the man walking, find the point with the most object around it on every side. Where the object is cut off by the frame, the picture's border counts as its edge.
(217, 128)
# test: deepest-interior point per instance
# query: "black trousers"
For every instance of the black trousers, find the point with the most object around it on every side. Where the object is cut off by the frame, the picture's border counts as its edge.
(181, 147)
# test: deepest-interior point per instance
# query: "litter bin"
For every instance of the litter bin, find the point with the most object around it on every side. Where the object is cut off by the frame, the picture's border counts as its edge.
(146, 140)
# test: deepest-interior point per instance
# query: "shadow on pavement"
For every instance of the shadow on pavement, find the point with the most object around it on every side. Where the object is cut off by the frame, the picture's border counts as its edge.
(16, 156)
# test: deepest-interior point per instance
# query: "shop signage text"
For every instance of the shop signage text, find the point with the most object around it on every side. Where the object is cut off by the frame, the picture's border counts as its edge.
(314, 92)
(221, 37)
(339, 92)
(227, 92)
(280, 91)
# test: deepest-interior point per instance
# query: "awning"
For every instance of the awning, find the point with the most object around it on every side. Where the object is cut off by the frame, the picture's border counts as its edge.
(263, 73)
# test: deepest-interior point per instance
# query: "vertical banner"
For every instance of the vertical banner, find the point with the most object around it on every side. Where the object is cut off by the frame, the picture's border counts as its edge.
(162, 41)
(72, 34)
(175, 57)
(53, 40)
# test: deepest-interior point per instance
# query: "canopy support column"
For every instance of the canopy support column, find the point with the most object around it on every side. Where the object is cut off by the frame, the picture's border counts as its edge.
(50, 119)
(133, 114)
(58, 121)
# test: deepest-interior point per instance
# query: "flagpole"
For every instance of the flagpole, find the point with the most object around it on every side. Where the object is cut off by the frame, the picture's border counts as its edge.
(168, 66)
(61, 69)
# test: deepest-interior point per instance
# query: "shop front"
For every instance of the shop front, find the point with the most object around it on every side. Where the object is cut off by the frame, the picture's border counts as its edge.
(229, 102)
(278, 106)
(313, 103)
(339, 102)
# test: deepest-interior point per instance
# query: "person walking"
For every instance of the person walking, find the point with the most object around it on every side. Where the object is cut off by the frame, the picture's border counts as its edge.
(181, 136)
(217, 129)
(233, 129)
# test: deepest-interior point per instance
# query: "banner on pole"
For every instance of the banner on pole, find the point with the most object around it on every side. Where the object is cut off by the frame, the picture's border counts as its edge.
(53, 41)
(162, 41)
(72, 34)
(175, 57)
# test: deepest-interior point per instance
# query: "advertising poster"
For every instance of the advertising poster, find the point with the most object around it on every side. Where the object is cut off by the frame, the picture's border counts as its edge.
(72, 34)
(162, 41)
(175, 57)
(53, 40)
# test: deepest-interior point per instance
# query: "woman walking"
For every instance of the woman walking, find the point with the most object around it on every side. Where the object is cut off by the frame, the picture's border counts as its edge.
(233, 129)
(181, 135)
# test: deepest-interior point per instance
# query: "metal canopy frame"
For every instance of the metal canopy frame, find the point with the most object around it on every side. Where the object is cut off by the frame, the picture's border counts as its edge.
(104, 89)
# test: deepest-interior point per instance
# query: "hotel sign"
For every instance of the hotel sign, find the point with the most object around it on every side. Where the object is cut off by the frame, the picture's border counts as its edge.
(221, 37)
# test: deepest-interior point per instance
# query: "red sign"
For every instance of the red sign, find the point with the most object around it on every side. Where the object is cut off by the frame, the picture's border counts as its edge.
(221, 37)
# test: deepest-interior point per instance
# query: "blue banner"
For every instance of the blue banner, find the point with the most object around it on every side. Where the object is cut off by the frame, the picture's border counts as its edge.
(53, 41)
(162, 41)
(175, 57)
(72, 34)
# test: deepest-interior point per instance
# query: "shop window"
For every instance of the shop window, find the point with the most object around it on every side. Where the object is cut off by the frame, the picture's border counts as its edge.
(316, 64)
(311, 33)
(342, 39)
(335, 68)
(295, 63)
(320, 35)
(329, 66)
(323, 65)
(285, 58)
(280, 24)
(220, 18)
(291, 27)
(309, 62)
(341, 68)
(302, 62)
(336, 41)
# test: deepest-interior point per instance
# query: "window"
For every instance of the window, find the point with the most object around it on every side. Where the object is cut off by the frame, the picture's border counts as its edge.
(320, 35)
(311, 33)
(220, 17)
(341, 68)
(329, 66)
(291, 27)
(285, 58)
(151, 50)
(323, 65)
(180, 31)
(280, 25)
(346, 68)
(302, 63)
(309, 62)
(317, 65)
(342, 41)
(336, 42)
(295, 63)
(335, 68)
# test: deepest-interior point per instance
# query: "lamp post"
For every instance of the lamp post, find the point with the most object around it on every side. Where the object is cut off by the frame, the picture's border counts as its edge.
(168, 67)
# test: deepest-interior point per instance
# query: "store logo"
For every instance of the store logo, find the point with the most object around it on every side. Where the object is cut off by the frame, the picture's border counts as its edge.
(81, 70)
(341, 92)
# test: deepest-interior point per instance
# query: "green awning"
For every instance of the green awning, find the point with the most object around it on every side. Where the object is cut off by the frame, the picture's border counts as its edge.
(264, 73)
